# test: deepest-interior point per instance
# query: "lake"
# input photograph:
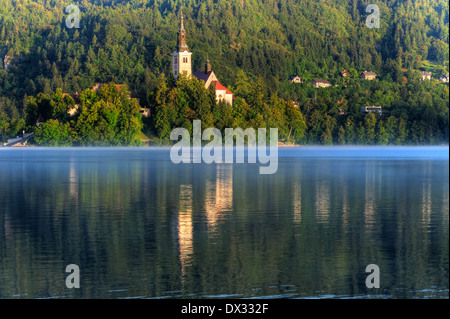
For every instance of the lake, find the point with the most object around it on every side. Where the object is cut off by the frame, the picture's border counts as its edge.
(139, 226)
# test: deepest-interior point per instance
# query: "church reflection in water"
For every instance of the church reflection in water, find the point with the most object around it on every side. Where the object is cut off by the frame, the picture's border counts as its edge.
(219, 196)
(218, 201)
(138, 225)
(185, 228)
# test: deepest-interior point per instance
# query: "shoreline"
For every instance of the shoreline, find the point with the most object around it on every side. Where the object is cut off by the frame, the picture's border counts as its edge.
(170, 146)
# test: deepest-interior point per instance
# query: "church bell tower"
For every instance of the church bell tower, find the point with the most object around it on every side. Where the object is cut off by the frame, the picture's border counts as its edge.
(181, 57)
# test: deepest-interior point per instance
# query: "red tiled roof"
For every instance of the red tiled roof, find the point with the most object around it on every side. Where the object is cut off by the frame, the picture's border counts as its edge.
(219, 86)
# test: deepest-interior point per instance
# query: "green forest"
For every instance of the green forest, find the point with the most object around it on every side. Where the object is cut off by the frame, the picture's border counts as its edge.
(254, 47)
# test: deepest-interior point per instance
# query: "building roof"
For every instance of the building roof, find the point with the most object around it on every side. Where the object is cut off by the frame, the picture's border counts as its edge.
(321, 81)
(220, 87)
(426, 73)
(345, 72)
(369, 73)
(211, 77)
(202, 75)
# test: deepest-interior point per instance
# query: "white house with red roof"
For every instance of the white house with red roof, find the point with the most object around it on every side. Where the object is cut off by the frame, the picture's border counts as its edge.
(181, 63)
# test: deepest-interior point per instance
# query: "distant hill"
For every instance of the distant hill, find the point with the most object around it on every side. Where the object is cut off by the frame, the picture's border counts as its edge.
(131, 41)
(118, 40)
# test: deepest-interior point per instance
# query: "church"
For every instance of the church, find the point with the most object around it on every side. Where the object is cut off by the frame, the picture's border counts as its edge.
(182, 63)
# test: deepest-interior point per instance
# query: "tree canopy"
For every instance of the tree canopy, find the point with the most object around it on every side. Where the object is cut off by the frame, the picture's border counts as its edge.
(250, 44)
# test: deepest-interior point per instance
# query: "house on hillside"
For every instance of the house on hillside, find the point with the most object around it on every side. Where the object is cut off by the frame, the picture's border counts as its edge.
(371, 109)
(319, 83)
(76, 98)
(295, 79)
(368, 75)
(145, 112)
(444, 78)
(345, 73)
(425, 75)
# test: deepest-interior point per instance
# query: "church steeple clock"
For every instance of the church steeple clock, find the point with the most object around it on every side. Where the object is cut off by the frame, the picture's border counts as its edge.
(181, 57)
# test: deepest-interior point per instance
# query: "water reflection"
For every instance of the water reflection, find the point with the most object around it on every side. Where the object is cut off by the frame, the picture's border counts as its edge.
(138, 225)
(73, 180)
(219, 196)
(322, 201)
(297, 201)
(426, 196)
(445, 204)
(345, 204)
(369, 196)
(185, 228)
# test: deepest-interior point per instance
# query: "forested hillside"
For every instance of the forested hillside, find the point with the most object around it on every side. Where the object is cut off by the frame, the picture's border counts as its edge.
(252, 45)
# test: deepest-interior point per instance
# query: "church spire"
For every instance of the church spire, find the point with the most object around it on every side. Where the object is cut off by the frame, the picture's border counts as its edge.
(182, 23)
(208, 68)
(182, 45)
(181, 57)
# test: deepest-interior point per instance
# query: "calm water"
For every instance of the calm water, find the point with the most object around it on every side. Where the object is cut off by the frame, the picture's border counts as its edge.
(139, 226)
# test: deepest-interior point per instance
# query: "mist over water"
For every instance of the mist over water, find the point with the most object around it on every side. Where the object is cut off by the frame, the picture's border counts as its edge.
(138, 225)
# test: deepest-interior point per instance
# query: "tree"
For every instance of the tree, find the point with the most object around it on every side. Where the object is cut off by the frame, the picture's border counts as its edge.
(122, 42)
(369, 125)
(391, 128)
(350, 135)
(361, 135)
(341, 135)
(53, 133)
(382, 136)
(402, 132)
(295, 124)
(4, 126)
(59, 106)
(44, 106)
(31, 111)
